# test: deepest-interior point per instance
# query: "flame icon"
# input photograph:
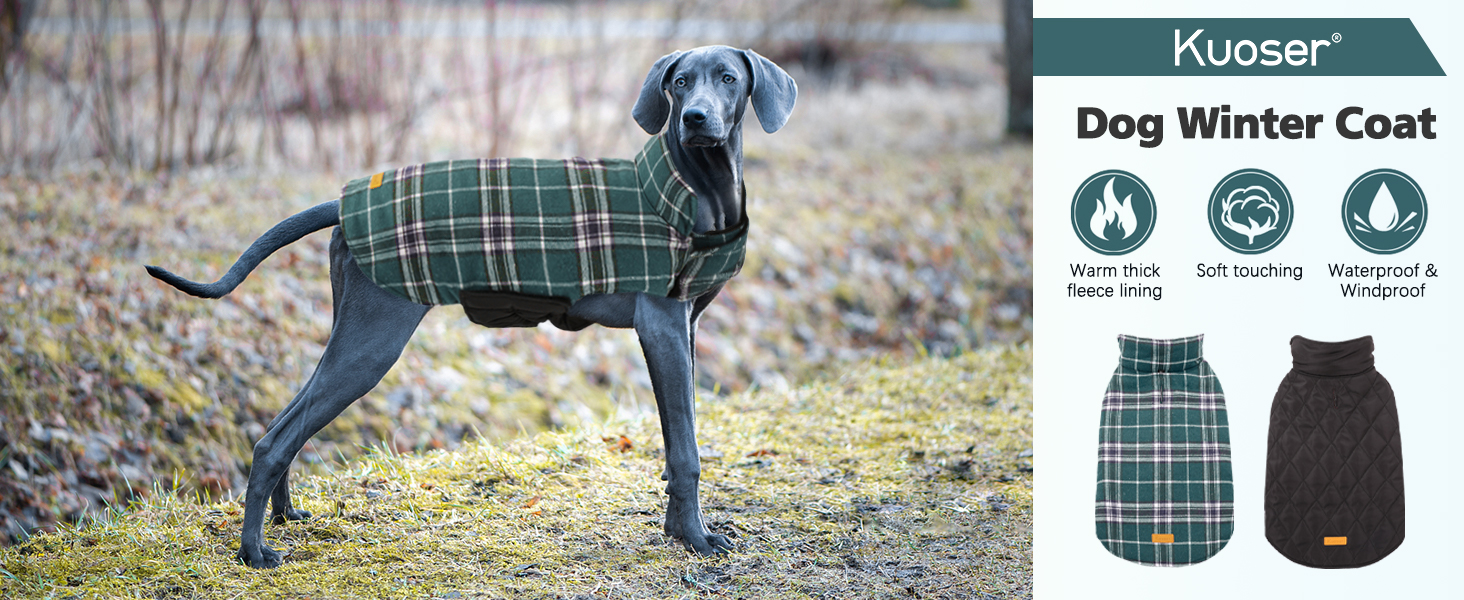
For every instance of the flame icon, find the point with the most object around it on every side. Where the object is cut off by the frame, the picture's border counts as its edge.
(1110, 209)
(1249, 203)
(1382, 216)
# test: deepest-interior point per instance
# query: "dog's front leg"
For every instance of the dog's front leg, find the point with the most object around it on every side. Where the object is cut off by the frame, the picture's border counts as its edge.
(664, 328)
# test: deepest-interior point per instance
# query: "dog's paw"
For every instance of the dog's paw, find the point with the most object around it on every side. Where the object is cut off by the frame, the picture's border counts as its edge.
(293, 514)
(699, 540)
(263, 557)
(684, 522)
(709, 544)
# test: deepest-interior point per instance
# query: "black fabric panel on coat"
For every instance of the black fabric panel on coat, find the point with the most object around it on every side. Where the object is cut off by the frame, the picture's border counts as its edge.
(514, 309)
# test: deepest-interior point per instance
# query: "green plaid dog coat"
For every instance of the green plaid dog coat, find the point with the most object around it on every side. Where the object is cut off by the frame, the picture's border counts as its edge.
(518, 240)
(1165, 495)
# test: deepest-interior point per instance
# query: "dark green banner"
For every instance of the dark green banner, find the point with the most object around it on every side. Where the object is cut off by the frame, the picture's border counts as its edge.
(1234, 47)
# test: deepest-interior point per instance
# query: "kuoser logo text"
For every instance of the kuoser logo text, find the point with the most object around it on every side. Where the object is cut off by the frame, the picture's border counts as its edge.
(1245, 52)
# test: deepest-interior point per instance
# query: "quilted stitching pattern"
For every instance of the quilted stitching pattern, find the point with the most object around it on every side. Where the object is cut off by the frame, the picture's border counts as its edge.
(1334, 466)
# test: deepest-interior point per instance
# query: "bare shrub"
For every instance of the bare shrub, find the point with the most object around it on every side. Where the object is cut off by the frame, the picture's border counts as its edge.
(159, 85)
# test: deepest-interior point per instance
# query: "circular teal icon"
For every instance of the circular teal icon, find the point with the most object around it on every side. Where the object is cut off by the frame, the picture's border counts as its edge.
(1113, 212)
(1250, 211)
(1384, 211)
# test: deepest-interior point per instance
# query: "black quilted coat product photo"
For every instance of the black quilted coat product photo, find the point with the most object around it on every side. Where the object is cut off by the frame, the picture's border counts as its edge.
(1334, 459)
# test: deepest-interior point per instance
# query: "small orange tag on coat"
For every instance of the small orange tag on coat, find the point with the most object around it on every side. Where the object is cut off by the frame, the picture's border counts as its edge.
(376, 180)
(1334, 541)
(1163, 538)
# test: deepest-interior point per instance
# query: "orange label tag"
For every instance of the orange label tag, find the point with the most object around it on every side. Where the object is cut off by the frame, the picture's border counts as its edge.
(1334, 541)
(376, 180)
(1163, 538)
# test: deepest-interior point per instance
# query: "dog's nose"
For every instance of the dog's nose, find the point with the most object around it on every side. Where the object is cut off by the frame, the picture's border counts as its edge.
(693, 116)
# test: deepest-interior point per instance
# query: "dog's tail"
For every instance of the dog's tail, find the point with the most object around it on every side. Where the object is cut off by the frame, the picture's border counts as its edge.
(283, 234)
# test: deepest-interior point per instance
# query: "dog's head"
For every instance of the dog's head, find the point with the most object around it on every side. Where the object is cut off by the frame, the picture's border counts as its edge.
(708, 90)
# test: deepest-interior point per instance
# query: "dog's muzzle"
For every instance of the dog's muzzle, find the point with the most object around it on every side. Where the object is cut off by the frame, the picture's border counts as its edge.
(699, 130)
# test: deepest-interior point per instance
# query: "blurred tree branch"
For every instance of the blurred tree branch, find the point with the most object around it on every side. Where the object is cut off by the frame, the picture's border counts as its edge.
(1019, 66)
(15, 16)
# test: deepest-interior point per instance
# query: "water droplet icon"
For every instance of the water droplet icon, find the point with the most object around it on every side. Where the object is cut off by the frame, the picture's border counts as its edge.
(1383, 214)
(1384, 211)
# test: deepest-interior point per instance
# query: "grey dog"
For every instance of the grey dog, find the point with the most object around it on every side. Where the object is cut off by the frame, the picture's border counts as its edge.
(709, 89)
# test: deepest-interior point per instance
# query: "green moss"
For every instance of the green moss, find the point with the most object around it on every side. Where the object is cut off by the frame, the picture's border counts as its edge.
(892, 479)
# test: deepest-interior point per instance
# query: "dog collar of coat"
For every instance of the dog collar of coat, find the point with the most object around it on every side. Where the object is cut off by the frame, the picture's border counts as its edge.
(1165, 492)
(1334, 459)
(556, 230)
(1144, 355)
(1332, 359)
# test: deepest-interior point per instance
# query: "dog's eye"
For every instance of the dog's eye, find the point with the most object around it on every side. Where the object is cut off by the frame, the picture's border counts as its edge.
(728, 79)
(680, 82)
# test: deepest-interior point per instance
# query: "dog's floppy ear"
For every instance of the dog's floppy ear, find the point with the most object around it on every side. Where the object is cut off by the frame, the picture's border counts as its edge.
(652, 108)
(773, 91)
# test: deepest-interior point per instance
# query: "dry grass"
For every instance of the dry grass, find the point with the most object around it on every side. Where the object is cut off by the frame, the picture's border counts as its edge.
(893, 481)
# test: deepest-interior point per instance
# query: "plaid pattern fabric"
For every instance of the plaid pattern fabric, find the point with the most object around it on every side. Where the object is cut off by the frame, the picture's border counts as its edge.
(1165, 495)
(559, 228)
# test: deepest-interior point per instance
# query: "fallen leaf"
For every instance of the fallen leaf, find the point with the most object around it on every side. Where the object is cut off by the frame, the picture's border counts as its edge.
(622, 443)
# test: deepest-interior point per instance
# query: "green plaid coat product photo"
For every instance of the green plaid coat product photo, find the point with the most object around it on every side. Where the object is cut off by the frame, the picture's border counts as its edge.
(1165, 492)
(517, 240)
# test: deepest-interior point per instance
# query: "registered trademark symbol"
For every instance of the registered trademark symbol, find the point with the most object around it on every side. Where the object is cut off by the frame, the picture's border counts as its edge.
(1336, 37)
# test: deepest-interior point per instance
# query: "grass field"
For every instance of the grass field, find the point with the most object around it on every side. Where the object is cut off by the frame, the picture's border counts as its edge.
(896, 480)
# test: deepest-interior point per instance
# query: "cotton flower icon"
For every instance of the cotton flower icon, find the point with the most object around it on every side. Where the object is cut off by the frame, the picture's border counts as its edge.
(1250, 204)
(1250, 211)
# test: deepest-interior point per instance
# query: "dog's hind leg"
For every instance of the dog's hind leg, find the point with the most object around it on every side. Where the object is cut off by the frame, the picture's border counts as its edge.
(281, 509)
(371, 328)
